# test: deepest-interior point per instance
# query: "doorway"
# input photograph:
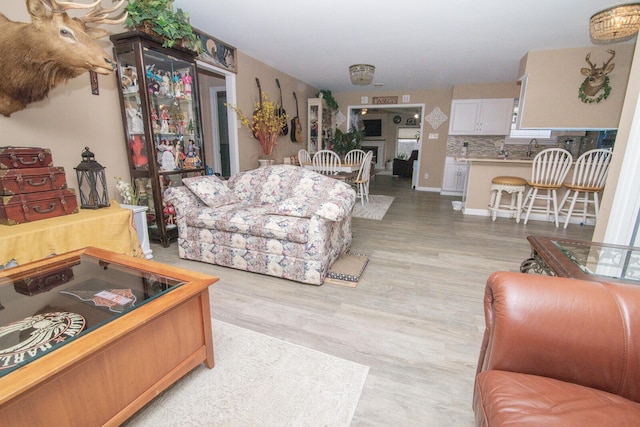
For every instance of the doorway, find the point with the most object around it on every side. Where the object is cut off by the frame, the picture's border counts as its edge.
(217, 87)
(386, 140)
(220, 130)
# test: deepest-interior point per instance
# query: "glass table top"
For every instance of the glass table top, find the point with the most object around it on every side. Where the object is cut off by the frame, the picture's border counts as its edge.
(43, 308)
(616, 262)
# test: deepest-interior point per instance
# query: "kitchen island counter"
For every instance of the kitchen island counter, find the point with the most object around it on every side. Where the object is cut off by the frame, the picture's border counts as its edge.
(483, 170)
(508, 160)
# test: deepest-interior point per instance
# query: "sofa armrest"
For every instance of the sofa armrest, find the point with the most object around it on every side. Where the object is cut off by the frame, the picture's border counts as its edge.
(182, 199)
(572, 330)
(335, 209)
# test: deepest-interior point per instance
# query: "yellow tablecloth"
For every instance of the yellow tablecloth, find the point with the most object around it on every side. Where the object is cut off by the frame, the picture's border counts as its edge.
(108, 228)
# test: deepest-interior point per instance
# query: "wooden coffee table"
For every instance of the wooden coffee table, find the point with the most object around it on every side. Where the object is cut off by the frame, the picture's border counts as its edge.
(584, 260)
(107, 333)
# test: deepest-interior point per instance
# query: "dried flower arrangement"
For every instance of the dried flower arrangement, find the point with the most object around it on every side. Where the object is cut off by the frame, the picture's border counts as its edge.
(265, 124)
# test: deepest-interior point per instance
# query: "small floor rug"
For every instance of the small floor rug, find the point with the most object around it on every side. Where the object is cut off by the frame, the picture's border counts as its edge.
(347, 270)
(259, 380)
(375, 209)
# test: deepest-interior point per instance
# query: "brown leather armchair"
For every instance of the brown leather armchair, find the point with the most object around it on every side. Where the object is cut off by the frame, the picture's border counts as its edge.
(404, 168)
(558, 352)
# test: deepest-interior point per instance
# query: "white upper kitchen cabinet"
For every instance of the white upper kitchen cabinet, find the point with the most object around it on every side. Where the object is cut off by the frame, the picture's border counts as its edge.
(490, 116)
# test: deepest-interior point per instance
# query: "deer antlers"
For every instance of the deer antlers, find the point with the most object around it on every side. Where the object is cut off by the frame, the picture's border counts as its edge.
(593, 66)
(98, 15)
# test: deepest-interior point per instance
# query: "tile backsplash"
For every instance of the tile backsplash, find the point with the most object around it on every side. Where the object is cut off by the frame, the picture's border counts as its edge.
(482, 146)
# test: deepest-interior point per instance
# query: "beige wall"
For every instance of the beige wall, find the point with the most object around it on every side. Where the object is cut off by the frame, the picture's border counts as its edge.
(433, 150)
(551, 99)
(482, 91)
(622, 140)
(247, 94)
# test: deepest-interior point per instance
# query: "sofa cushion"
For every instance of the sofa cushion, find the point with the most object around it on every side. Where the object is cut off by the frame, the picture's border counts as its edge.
(304, 207)
(211, 190)
(515, 399)
(253, 220)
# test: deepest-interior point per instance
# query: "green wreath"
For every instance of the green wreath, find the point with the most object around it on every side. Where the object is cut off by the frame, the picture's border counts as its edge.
(606, 90)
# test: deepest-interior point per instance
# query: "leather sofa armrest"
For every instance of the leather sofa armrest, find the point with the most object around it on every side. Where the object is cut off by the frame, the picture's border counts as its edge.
(572, 330)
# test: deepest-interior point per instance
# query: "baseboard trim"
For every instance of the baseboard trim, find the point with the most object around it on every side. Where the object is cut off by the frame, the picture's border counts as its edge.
(533, 217)
(429, 189)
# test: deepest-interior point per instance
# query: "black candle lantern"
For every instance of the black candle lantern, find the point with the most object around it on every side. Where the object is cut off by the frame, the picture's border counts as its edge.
(91, 182)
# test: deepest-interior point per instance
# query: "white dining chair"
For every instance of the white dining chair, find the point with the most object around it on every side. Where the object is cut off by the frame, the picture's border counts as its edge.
(354, 157)
(589, 176)
(326, 162)
(304, 157)
(363, 178)
(548, 171)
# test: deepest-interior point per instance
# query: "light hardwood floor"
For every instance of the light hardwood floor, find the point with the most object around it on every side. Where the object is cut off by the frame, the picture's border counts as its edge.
(416, 317)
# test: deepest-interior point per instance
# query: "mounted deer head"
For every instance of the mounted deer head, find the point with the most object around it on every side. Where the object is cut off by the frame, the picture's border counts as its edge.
(53, 48)
(596, 77)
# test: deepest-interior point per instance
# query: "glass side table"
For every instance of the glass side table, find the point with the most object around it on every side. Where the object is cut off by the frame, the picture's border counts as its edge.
(583, 260)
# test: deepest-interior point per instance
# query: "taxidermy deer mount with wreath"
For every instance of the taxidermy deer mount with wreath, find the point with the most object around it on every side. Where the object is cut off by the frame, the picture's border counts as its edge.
(596, 80)
(59, 48)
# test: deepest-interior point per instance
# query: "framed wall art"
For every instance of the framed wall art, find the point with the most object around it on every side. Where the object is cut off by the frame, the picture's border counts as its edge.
(216, 52)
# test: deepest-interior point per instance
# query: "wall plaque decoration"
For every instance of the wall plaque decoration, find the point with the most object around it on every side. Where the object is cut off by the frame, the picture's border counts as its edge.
(216, 52)
(383, 100)
(436, 117)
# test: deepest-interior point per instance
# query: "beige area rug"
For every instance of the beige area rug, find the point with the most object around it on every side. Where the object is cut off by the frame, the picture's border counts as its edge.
(347, 270)
(259, 380)
(375, 209)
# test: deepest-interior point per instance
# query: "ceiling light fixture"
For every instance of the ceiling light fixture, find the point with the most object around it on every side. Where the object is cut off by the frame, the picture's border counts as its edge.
(616, 23)
(361, 74)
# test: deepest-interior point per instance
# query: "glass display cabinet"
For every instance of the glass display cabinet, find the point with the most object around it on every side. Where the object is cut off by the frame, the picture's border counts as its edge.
(319, 127)
(162, 124)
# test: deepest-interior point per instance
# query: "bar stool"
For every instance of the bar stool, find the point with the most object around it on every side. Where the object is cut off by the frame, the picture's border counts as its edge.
(589, 176)
(508, 184)
(548, 171)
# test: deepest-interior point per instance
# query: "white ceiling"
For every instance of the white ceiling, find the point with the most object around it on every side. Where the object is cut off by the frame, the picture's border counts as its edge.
(414, 44)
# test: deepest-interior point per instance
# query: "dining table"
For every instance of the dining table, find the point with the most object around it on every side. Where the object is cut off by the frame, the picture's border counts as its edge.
(344, 167)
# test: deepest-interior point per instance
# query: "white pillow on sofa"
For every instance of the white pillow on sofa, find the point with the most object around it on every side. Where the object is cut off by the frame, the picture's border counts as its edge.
(211, 190)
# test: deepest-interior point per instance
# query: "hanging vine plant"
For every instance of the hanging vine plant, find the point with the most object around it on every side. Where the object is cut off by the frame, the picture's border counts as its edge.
(329, 99)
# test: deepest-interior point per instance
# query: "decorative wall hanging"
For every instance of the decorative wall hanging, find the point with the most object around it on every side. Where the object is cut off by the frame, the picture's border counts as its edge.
(436, 117)
(23, 79)
(216, 52)
(595, 86)
(383, 100)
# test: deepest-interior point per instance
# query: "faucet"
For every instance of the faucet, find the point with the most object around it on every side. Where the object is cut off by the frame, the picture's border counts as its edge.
(534, 143)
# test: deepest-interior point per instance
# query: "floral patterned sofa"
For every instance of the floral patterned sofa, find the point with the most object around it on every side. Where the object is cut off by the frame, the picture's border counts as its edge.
(282, 220)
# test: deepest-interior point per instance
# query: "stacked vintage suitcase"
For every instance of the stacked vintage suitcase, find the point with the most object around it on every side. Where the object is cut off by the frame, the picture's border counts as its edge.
(31, 188)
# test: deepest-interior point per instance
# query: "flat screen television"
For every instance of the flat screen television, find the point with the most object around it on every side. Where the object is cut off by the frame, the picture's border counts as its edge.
(372, 128)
